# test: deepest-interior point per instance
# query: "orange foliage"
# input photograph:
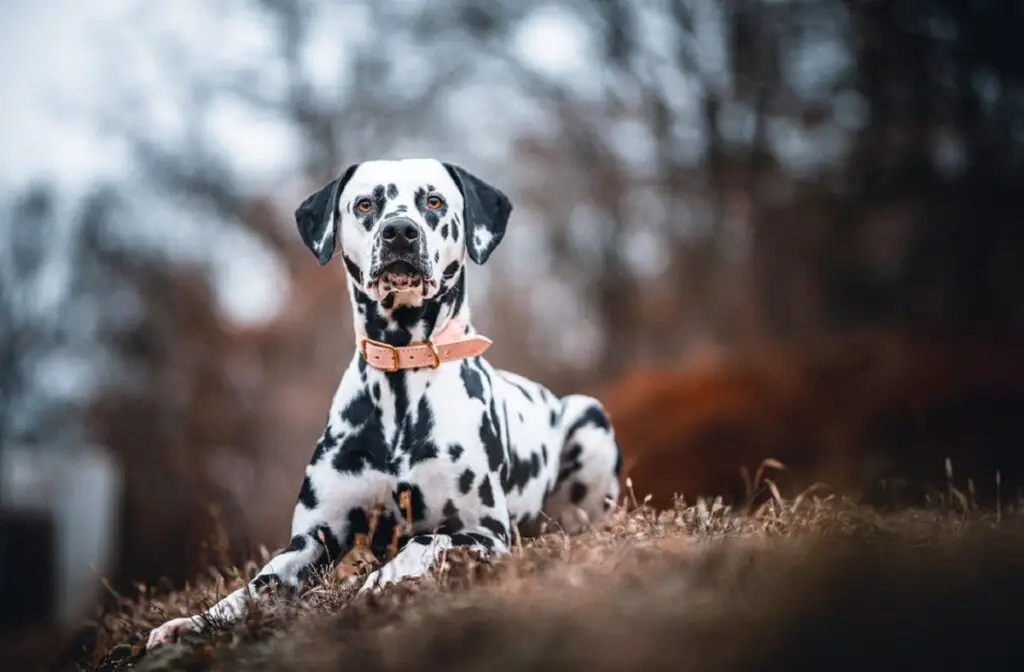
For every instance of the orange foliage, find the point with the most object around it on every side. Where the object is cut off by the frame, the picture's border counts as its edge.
(848, 413)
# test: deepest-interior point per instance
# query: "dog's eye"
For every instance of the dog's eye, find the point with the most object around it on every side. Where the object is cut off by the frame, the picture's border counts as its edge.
(434, 202)
(364, 205)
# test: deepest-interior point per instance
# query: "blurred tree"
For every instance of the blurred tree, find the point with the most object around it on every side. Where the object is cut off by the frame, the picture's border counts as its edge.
(41, 342)
(720, 171)
(805, 167)
(943, 84)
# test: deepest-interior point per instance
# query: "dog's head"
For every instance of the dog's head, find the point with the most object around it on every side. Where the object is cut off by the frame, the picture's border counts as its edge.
(404, 227)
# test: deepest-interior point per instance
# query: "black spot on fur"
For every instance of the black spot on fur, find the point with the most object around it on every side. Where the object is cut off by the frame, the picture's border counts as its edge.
(455, 452)
(365, 446)
(450, 270)
(472, 539)
(396, 382)
(493, 447)
(307, 496)
(444, 231)
(472, 381)
(406, 318)
(593, 417)
(437, 257)
(416, 441)
(521, 472)
(578, 492)
(297, 543)
(570, 462)
(379, 198)
(618, 462)
(523, 390)
(423, 450)
(375, 323)
(353, 270)
(486, 492)
(326, 443)
(495, 526)
(376, 391)
(358, 409)
(392, 191)
(457, 294)
(455, 228)
(466, 481)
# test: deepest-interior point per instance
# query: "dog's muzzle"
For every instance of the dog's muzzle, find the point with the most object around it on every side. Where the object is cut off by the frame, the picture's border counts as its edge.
(401, 265)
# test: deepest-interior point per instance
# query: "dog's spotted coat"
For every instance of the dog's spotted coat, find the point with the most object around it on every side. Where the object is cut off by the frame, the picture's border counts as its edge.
(464, 450)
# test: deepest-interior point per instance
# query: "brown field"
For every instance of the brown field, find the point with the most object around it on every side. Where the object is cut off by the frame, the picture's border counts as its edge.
(809, 583)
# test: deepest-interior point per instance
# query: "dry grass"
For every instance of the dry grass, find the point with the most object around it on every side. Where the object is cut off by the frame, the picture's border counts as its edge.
(813, 583)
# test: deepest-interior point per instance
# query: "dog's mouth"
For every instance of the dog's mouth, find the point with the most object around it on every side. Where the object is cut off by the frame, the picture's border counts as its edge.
(401, 274)
(398, 276)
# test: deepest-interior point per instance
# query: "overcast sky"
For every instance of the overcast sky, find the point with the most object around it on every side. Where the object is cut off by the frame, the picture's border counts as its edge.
(53, 55)
(51, 64)
(47, 61)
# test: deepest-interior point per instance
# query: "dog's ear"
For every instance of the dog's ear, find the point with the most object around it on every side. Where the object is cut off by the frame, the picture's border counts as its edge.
(317, 217)
(486, 215)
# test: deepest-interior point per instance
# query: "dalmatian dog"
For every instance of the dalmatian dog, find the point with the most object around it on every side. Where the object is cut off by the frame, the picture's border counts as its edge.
(426, 446)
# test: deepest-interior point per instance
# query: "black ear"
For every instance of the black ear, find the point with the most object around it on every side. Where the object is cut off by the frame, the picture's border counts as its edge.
(317, 217)
(487, 213)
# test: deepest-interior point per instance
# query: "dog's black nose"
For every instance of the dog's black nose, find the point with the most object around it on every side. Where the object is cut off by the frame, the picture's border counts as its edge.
(400, 233)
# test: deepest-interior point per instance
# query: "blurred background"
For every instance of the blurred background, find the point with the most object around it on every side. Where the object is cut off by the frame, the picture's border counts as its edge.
(756, 229)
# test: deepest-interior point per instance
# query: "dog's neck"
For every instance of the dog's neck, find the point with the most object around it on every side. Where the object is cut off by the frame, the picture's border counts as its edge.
(402, 325)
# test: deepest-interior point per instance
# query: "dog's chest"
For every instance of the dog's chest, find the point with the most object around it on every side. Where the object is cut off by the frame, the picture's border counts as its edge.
(433, 464)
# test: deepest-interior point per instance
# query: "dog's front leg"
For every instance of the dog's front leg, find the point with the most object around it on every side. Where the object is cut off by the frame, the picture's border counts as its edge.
(286, 569)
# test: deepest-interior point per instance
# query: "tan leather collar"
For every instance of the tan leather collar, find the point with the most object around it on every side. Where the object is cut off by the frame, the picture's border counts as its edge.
(450, 344)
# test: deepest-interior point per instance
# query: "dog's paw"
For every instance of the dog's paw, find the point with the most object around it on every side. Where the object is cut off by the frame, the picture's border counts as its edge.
(385, 576)
(171, 630)
(412, 562)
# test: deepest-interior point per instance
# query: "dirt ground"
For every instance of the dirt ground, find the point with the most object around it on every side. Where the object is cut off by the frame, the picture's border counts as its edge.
(812, 583)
